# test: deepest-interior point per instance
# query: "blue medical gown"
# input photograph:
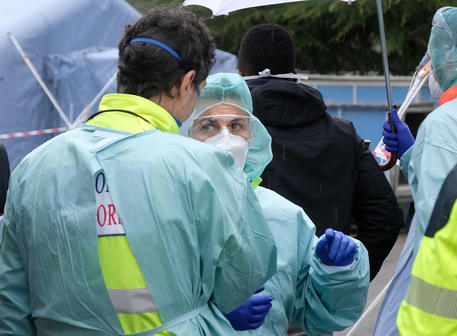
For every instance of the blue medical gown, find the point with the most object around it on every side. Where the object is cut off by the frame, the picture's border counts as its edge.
(319, 298)
(191, 218)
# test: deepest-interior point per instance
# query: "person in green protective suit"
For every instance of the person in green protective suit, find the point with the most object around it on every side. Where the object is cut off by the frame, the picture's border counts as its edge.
(124, 227)
(312, 287)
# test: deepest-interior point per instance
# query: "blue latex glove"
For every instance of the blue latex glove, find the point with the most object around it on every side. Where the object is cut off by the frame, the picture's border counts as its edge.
(251, 314)
(399, 142)
(336, 249)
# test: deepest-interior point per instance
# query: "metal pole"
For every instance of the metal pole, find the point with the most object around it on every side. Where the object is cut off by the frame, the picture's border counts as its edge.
(85, 112)
(385, 62)
(370, 308)
(38, 78)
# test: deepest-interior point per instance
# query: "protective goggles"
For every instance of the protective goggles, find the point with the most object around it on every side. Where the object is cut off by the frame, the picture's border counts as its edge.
(209, 126)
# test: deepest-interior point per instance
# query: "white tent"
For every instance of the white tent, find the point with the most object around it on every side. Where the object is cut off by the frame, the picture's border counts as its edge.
(44, 28)
(73, 46)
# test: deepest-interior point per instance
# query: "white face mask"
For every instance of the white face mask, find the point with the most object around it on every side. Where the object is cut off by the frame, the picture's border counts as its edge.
(235, 144)
(434, 86)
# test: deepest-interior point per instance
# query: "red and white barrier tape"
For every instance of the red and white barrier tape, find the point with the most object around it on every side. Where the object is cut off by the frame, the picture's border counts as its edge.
(382, 153)
(29, 133)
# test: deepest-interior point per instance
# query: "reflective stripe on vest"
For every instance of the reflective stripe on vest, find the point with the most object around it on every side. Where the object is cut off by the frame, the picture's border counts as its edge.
(132, 301)
(432, 299)
(178, 320)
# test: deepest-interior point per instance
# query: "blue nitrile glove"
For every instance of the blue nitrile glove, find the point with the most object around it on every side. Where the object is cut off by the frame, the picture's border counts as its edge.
(399, 142)
(336, 249)
(251, 314)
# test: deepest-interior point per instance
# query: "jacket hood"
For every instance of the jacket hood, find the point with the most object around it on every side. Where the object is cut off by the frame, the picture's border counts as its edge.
(279, 102)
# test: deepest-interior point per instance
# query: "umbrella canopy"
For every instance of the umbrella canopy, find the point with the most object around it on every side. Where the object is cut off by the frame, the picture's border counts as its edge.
(224, 7)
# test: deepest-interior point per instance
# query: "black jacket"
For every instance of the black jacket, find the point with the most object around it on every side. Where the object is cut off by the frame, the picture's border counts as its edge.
(4, 176)
(322, 165)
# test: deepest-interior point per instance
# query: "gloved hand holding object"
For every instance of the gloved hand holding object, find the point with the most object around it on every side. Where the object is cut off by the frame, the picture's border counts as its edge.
(251, 314)
(398, 142)
(336, 249)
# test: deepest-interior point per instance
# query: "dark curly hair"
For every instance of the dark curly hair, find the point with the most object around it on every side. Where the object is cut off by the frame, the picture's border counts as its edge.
(267, 45)
(146, 69)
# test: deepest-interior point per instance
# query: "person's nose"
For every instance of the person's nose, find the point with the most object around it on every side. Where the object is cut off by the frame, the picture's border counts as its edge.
(225, 130)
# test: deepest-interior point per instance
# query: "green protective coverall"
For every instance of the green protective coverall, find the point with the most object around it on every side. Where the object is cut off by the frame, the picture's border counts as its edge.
(320, 298)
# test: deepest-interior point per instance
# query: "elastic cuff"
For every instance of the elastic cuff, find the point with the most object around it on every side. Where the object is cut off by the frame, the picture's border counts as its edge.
(338, 268)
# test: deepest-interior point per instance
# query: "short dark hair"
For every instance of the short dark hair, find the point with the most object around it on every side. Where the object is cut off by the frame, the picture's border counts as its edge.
(267, 45)
(146, 69)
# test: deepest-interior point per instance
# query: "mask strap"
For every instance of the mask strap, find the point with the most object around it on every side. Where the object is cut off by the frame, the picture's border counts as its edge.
(177, 121)
(266, 73)
(198, 89)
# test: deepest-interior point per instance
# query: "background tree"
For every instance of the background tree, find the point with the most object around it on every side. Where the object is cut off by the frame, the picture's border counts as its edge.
(331, 36)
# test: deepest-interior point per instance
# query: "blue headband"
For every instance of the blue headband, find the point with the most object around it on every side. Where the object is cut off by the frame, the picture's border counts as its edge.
(160, 44)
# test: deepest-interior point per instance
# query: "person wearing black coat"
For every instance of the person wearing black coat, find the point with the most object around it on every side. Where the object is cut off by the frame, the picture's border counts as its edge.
(4, 181)
(319, 162)
(4, 176)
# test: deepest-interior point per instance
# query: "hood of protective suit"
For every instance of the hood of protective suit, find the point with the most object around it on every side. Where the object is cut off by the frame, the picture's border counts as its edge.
(442, 46)
(231, 89)
(280, 102)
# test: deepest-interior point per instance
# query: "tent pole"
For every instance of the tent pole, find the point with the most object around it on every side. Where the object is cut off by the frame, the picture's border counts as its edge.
(373, 304)
(385, 62)
(38, 78)
(85, 112)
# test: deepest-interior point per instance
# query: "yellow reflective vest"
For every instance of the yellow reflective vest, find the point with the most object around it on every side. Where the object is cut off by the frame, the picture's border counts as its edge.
(430, 304)
(125, 283)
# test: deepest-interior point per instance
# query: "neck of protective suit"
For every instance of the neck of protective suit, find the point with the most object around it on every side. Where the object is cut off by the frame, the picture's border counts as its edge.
(448, 95)
(154, 115)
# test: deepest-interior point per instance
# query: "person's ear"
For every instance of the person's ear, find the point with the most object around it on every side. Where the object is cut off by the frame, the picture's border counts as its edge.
(187, 83)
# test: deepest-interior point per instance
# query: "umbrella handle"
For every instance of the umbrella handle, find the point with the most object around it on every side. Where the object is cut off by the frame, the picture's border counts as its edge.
(393, 156)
